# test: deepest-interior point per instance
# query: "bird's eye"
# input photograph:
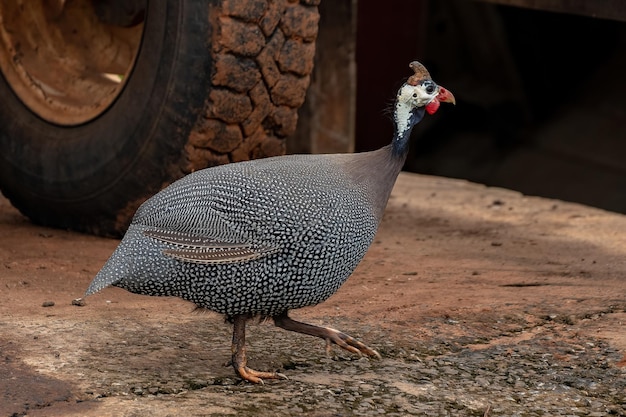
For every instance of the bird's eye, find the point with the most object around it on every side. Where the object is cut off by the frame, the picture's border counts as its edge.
(429, 86)
(414, 94)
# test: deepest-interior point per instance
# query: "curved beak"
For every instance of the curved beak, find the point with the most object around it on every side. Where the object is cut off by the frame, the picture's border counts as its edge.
(445, 96)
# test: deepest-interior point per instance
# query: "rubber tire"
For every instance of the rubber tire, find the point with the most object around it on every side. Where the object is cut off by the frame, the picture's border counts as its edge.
(178, 112)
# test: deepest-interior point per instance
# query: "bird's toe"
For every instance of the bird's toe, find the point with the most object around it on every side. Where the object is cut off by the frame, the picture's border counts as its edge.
(257, 377)
(349, 343)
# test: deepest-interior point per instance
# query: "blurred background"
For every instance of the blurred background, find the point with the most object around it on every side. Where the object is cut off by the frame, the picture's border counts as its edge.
(539, 90)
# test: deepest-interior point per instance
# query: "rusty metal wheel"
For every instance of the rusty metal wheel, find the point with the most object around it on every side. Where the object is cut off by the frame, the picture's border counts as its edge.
(103, 102)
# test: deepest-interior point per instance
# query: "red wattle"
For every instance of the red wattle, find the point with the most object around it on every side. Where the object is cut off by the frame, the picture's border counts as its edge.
(433, 106)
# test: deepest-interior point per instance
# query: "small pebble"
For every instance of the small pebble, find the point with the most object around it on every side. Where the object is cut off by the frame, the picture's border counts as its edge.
(47, 304)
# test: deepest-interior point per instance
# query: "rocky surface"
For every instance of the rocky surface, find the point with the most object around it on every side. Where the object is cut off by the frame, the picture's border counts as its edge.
(481, 301)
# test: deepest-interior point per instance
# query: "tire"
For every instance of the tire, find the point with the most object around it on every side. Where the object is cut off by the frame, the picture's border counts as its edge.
(210, 82)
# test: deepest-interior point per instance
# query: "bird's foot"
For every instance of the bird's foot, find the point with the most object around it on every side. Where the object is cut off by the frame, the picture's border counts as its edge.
(347, 342)
(257, 377)
(331, 336)
(239, 360)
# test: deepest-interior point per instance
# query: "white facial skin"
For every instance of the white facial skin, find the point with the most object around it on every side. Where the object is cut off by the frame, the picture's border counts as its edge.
(412, 96)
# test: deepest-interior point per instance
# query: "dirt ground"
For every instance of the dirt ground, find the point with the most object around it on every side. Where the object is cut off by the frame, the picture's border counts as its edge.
(481, 301)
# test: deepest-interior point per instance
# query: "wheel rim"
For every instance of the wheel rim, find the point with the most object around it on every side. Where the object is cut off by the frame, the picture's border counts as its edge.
(61, 60)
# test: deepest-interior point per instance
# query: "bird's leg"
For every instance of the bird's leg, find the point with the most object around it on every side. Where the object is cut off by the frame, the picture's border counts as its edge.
(329, 335)
(239, 354)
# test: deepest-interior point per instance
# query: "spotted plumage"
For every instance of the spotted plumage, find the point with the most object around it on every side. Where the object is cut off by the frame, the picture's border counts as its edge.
(266, 236)
(248, 237)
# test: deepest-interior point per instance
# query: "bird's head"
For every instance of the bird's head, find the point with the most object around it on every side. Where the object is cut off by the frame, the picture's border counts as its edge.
(419, 93)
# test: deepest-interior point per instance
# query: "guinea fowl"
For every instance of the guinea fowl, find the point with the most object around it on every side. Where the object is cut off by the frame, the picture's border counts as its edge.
(262, 237)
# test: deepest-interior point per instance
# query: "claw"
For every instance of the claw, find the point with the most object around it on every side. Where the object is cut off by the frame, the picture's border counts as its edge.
(248, 374)
(239, 354)
(328, 346)
(350, 344)
(331, 336)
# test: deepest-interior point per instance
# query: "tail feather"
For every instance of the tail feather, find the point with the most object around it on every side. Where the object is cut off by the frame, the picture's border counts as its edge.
(113, 271)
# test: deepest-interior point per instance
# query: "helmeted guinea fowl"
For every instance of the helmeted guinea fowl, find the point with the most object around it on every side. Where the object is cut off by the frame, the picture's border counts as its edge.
(262, 237)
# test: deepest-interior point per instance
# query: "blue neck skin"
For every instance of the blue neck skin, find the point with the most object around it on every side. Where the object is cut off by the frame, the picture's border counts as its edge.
(400, 144)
